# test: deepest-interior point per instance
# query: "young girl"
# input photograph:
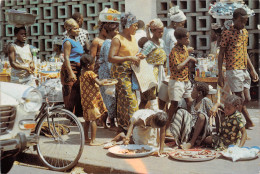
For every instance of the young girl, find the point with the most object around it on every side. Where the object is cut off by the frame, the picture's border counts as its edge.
(91, 99)
(190, 128)
(231, 127)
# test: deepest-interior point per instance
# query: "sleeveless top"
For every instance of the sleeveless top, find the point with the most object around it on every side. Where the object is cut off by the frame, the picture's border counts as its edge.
(23, 56)
(127, 48)
(76, 50)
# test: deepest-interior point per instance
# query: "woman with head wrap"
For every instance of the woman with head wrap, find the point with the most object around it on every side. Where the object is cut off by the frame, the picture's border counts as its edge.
(156, 56)
(70, 70)
(178, 19)
(122, 54)
(104, 71)
(96, 45)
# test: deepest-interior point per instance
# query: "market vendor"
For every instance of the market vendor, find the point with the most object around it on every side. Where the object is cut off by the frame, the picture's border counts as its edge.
(20, 57)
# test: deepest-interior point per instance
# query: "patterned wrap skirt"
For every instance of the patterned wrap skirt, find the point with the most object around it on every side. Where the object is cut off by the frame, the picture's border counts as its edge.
(126, 99)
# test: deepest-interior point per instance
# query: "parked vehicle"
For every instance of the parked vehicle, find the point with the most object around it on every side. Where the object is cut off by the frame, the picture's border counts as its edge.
(31, 117)
(19, 104)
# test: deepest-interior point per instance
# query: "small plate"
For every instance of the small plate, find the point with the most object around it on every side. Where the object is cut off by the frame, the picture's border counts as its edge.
(120, 149)
(110, 82)
(193, 155)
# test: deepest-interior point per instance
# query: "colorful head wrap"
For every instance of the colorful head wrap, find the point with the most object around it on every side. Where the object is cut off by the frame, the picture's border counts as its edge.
(127, 19)
(176, 15)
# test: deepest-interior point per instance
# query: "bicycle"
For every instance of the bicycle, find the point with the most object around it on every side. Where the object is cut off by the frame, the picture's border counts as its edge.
(61, 135)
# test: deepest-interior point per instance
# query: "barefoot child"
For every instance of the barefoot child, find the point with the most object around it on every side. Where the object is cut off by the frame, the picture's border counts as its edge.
(179, 86)
(91, 99)
(232, 128)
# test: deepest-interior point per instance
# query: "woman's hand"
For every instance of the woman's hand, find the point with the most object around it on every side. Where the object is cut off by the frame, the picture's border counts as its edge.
(126, 141)
(190, 49)
(213, 111)
(72, 78)
(32, 66)
(141, 56)
(192, 59)
(29, 70)
(135, 60)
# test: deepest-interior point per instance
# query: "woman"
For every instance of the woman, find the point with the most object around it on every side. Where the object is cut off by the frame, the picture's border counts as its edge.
(104, 71)
(96, 45)
(122, 53)
(156, 56)
(20, 58)
(70, 71)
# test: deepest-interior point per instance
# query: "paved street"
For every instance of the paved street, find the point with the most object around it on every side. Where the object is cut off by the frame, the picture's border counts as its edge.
(95, 159)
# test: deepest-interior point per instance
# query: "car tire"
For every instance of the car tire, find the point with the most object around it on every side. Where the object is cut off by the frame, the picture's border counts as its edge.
(7, 164)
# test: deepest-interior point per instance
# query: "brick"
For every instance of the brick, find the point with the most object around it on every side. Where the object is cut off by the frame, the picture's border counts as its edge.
(251, 23)
(57, 4)
(21, 2)
(43, 55)
(162, 6)
(77, 8)
(61, 0)
(166, 21)
(10, 3)
(9, 30)
(50, 29)
(64, 11)
(202, 5)
(48, 12)
(71, 3)
(108, 5)
(121, 6)
(92, 9)
(2, 15)
(35, 1)
(193, 36)
(36, 11)
(252, 4)
(35, 42)
(203, 23)
(203, 42)
(187, 6)
(1, 31)
(252, 41)
(90, 27)
(36, 29)
(191, 23)
(48, 1)
(48, 44)
(61, 28)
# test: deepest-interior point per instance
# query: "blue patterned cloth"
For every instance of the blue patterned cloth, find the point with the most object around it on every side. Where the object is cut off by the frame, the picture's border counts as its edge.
(104, 73)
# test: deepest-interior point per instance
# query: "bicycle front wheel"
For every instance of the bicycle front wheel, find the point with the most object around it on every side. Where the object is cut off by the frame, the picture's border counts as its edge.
(61, 140)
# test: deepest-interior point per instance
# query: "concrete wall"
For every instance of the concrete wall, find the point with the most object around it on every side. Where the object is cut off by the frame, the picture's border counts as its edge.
(143, 9)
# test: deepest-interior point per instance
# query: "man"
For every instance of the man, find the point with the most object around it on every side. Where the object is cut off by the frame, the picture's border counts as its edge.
(233, 47)
(83, 36)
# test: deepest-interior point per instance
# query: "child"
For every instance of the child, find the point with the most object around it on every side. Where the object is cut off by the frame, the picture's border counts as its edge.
(179, 85)
(91, 99)
(231, 127)
(193, 127)
(143, 128)
(233, 47)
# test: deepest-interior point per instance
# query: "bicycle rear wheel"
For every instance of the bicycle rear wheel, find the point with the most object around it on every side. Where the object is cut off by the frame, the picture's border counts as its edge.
(61, 142)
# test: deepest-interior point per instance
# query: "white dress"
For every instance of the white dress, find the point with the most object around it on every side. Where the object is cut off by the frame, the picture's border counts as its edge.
(23, 56)
(144, 135)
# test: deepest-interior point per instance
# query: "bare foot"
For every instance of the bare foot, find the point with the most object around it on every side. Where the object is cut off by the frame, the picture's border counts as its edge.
(95, 143)
(87, 141)
(248, 138)
(248, 125)
(168, 133)
(109, 144)
(186, 146)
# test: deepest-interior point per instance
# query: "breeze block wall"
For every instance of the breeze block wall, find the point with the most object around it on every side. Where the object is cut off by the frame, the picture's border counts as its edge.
(51, 15)
(199, 26)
